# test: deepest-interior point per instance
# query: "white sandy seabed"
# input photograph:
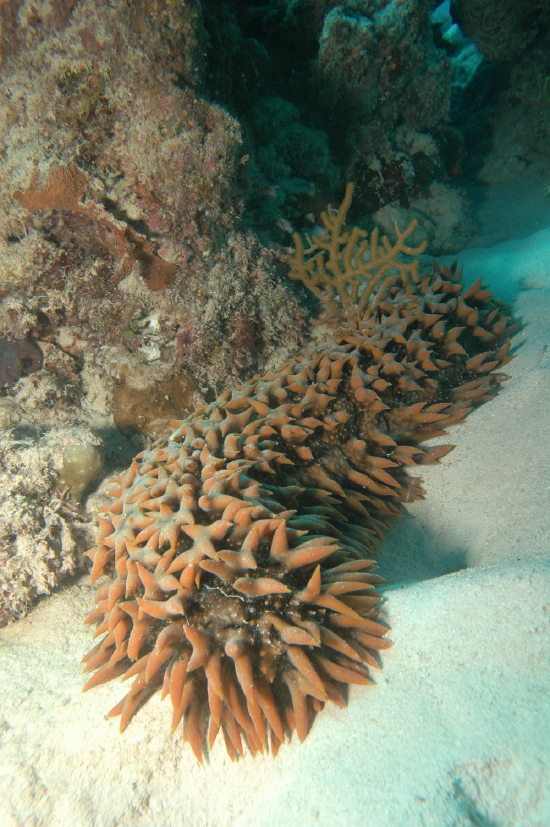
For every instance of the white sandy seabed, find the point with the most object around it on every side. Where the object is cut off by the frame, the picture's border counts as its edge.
(456, 731)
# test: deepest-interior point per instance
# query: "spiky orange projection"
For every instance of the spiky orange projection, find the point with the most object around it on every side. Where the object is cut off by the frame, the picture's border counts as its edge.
(234, 561)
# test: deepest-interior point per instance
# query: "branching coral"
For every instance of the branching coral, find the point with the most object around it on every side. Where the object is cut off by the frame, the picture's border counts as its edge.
(233, 563)
(349, 266)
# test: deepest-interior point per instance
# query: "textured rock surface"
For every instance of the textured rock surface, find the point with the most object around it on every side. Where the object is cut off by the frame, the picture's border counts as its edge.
(42, 529)
(501, 29)
(120, 200)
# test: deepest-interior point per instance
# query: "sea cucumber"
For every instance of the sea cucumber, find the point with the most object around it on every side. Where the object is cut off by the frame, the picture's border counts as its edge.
(234, 563)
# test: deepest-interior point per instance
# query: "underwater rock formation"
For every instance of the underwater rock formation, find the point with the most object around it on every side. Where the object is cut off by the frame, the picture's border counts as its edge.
(117, 192)
(43, 529)
(384, 61)
(234, 564)
(500, 29)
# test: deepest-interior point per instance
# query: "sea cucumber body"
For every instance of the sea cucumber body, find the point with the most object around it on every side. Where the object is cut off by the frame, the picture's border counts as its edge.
(235, 561)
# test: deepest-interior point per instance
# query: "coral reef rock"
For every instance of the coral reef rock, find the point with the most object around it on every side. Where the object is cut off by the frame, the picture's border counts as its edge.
(501, 29)
(384, 62)
(43, 530)
(118, 190)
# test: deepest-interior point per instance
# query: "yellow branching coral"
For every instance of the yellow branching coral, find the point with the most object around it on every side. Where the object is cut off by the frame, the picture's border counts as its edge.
(350, 266)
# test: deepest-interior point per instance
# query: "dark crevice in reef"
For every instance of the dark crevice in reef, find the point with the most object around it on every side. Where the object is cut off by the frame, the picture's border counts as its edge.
(258, 50)
(328, 92)
(260, 67)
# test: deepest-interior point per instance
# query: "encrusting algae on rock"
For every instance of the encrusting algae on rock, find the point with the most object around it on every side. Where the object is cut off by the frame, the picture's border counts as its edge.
(234, 564)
